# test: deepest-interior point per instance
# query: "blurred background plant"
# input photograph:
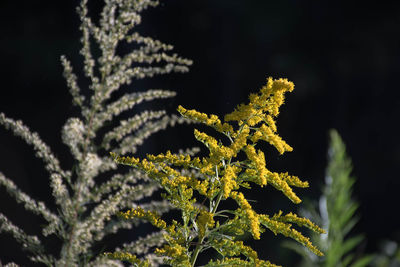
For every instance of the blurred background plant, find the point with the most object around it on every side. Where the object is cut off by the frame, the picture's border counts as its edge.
(388, 255)
(336, 212)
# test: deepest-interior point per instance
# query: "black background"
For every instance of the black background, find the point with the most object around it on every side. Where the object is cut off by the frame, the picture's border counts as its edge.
(342, 56)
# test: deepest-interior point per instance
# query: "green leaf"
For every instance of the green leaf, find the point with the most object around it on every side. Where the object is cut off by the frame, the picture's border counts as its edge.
(351, 243)
(364, 261)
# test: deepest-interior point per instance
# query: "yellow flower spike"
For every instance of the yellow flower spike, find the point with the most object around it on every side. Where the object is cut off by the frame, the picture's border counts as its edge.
(207, 168)
(200, 186)
(281, 85)
(251, 215)
(251, 175)
(255, 119)
(274, 139)
(179, 160)
(271, 122)
(217, 152)
(241, 113)
(274, 102)
(256, 136)
(278, 227)
(240, 140)
(293, 180)
(269, 99)
(276, 181)
(209, 141)
(211, 120)
(151, 217)
(274, 86)
(131, 161)
(176, 253)
(213, 190)
(259, 162)
(228, 181)
(304, 222)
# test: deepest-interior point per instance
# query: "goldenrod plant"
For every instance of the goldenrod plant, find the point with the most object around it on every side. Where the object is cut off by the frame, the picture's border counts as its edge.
(197, 186)
(336, 213)
(85, 207)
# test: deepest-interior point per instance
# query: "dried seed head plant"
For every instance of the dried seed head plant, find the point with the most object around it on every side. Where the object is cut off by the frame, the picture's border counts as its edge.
(85, 207)
(197, 185)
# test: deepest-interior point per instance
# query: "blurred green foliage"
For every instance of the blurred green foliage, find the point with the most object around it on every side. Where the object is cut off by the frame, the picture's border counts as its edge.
(336, 213)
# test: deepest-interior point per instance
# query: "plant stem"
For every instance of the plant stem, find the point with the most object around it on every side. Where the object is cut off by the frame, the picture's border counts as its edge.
(196, 251)
(199, 243)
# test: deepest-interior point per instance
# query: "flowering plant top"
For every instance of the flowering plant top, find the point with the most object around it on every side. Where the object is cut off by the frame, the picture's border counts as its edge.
(220, 176)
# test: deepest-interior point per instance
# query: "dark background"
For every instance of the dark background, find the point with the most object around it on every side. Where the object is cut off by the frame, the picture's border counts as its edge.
(342, 56)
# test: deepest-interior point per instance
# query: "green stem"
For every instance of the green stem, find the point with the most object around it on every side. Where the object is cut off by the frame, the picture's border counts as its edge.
(196, 252)
(199, 243)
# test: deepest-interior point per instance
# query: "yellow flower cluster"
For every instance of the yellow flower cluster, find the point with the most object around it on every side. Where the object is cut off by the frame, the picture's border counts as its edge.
(293, 180)
(279, 227)
(211, 120)
(240, 139)
(178, 160)
(131, 161)
(251, 215)
(176, 253)
(152, 217)
(293, 218)
(258, 160)
(280, 184)
(262, 108)
(147, 166)
(266, 133)
(126, 256)
(229, 248)
(218, 152)
(204, 220)
(271, 123)
(228, 180)
(261, 175)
